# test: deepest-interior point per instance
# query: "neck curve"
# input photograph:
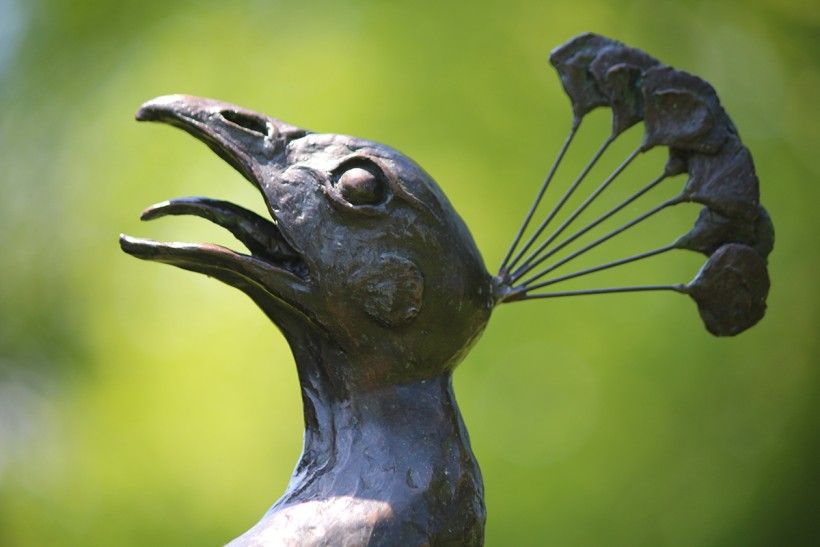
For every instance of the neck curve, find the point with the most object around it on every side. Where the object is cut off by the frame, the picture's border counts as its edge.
(403, 449)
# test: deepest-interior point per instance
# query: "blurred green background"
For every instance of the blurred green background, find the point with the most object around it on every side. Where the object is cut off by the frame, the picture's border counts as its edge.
(143, 405)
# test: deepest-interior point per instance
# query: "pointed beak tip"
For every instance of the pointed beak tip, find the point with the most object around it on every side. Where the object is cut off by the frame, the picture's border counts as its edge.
(140, 248)
(153, 211)
(143, 114)
(154, 109)
(126, 243)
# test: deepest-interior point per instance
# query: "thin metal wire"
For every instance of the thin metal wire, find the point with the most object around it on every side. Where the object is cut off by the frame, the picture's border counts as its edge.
(590, 164)
(608, 290)
(610, 235)
(524, 269)
(541, 191)
(581, 208)
(606, 266)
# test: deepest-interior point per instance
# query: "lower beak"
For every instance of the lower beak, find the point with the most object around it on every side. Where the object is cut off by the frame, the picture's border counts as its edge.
(247, 141)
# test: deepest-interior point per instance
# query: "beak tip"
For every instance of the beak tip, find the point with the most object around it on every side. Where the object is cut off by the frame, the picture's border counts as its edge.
(143, 114)
(150, 213)
(154, 109)
(140, 248)
(126, 243)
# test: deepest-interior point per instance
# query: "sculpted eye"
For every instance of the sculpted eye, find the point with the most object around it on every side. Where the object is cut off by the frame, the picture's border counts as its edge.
(361, 183)
(361, 186)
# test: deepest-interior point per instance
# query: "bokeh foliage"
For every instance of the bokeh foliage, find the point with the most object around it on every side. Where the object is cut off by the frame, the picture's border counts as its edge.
(141, 405)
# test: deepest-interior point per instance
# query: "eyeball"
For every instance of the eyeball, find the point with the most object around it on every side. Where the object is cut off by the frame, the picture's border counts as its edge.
(362, 184)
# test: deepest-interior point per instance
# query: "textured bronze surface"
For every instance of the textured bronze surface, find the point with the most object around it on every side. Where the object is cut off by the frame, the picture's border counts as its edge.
(380, 291)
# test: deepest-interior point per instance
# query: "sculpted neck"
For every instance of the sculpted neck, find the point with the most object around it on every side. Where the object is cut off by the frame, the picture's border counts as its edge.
(390, 442)
(385, 466)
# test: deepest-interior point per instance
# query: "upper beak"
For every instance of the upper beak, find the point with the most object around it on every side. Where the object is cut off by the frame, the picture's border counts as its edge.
(243, 138)
(253, 144)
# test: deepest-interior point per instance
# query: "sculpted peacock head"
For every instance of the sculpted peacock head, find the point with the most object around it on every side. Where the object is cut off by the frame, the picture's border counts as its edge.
(363, 246)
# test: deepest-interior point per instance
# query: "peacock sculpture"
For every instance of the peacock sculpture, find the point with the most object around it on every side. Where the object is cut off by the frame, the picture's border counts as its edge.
(380, 290)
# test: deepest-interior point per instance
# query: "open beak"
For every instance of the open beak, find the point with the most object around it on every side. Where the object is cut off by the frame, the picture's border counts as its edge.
(253, 144)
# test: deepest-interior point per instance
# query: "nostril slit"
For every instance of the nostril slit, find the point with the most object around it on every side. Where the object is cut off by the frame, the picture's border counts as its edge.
(251, 123)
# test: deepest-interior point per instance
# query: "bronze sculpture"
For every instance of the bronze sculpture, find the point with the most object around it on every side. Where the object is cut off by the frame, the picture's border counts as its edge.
(378, 287)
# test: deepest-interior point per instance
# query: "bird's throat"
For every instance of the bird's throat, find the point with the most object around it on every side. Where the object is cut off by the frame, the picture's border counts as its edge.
(391, 452)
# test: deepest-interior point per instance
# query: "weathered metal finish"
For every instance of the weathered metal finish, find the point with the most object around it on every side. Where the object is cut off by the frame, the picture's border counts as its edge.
(380, 290)
(683, 113)
(378, 287)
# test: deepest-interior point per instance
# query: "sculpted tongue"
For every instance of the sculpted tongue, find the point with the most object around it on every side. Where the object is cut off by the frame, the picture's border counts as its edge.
(261, 236)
